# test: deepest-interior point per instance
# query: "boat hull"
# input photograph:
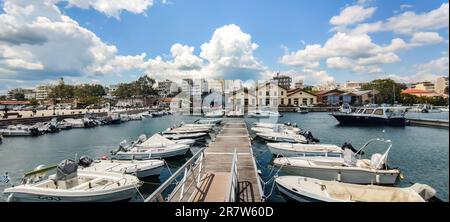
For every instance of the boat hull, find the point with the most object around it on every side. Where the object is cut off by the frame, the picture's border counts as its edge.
(125, 194)
(150, 155)
(293, 196)
(365, 120)
(293, 153)
(355, 176)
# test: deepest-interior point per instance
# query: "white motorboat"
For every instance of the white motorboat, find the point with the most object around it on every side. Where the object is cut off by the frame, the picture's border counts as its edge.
(302, 109)
(158, 140)
(293, 130)
(214, 114)
(425, 108)
(347, 169)
(20, 130)
(393, 116)
(137, 153)
(235, 113)
(444, 109)
(282, 137)
(75, 123)
(209, 121)
(304, 150)
(135, 117)
(185, 136)
(138, 168)
(181, 130)
(206, 126)
(146, 115)
(304, 189)
(72, 185)
(263, 114)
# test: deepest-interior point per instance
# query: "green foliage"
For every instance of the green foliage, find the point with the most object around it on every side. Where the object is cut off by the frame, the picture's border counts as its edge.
(387, 89)
(143, 87)
(19, 96)
(407, 99)
(34, 102)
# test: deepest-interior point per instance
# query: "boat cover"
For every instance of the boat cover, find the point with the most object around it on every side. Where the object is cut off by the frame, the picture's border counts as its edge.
(67, 169)
(85, 161)
(157, 140)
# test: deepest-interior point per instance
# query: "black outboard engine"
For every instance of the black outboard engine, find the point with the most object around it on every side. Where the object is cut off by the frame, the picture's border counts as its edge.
(66, 170)
(85, 161)
(308, 135)
(350, 147)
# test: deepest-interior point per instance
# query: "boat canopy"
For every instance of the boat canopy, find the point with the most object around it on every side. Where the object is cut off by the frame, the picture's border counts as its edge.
(67, 169)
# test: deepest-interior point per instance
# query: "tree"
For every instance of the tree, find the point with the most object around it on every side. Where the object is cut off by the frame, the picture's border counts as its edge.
(408, 99)
(144, 86)
(446, 90)
(19, 96)
(387, 89)
(34, 102)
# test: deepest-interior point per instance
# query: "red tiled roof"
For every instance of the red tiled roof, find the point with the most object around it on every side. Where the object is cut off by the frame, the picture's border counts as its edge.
(415, 91)
(13, 102)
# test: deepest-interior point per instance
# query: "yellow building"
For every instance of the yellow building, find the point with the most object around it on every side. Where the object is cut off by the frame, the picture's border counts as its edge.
(297, 97)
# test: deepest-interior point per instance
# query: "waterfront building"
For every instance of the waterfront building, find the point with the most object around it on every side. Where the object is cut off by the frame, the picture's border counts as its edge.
(283, 80)
(441, 84)
(42, 92)
(167, 88)
(360, 97)
(299, 85)
(425, 86)
(297, 97)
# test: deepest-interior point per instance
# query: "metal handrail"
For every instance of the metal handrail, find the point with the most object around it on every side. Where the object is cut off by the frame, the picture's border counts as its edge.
(158, 192)
(231, 193)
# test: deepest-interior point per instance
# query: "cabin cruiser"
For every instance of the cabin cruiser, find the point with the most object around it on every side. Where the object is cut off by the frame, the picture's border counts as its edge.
(70, 184)
(348, 169)
(263, 114)
(304, 189)
(282, 137)
(138, 168)
(305, 150)
(20, 130)
(214, 114)
(209, 121)
(373, 116)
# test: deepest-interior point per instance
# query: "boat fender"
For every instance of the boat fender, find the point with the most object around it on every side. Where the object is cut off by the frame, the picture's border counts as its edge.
(105, 157)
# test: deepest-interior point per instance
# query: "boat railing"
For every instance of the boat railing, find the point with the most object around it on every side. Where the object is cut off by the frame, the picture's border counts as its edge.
(231, 193)
(187, 173)
(359, 152)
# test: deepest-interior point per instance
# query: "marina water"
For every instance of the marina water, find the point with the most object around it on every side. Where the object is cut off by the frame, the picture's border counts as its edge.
(421, 153)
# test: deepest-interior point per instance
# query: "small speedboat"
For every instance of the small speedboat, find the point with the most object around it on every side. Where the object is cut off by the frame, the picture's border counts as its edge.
(282, 137)
(206, 126)
(263, 114)
(138, 168)
(291, 130)
(181, 130)
(70, 184)
(235, 113)
(209, 121)
(185, 136)
(303, 150)
(348, 168)
(158, 140)
(137, 153)
(214, 114)
(304, 189)
(302, 109)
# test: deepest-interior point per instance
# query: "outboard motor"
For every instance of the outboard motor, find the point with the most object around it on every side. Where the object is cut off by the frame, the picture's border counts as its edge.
(350, 147)
(85, 161)
(308, 135)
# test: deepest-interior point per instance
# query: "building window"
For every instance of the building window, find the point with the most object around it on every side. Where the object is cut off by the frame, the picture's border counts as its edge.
(311, 101)
(289, 102)
(296, 101)
(275, 93)
(267, 102)
(305, 101)
(260, 93)
(282, 100)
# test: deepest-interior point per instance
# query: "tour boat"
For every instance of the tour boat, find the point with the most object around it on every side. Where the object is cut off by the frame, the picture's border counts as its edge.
(70, 184)
(373, 116)
(304, 189)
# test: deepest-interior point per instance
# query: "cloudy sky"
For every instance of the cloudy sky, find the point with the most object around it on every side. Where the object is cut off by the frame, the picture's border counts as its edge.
(111, 41)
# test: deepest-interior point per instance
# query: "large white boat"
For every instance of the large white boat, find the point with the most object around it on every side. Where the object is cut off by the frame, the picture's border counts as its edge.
(72, 185)
(304, 150)
(282, 137)
(138, 168)
(304, 189)
(20, 130)
(373, 116)
(348, 169)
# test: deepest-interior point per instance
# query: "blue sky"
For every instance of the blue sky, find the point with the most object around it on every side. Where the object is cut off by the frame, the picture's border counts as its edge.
(279, 28)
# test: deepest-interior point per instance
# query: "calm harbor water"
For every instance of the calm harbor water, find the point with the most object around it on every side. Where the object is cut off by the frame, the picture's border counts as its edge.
(421, 153)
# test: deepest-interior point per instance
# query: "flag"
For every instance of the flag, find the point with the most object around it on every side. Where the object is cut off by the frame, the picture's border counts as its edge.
(5, 179)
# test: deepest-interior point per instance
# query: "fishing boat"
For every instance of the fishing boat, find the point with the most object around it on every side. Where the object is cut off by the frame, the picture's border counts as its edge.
(393, 116)
(263, 114)
(348, 169)
(304, 189)
(70, 184)
(209, 121)
(185, 136)
(282, 137)
(138, 168)
(214, 114)
(304, 150)
(20, 130)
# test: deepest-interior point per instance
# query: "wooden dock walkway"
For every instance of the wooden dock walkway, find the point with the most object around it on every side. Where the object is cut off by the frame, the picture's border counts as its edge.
(216, 176)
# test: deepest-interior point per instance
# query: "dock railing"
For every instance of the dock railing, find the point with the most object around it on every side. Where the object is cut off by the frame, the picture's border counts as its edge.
(231, 194)
(187, 170)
